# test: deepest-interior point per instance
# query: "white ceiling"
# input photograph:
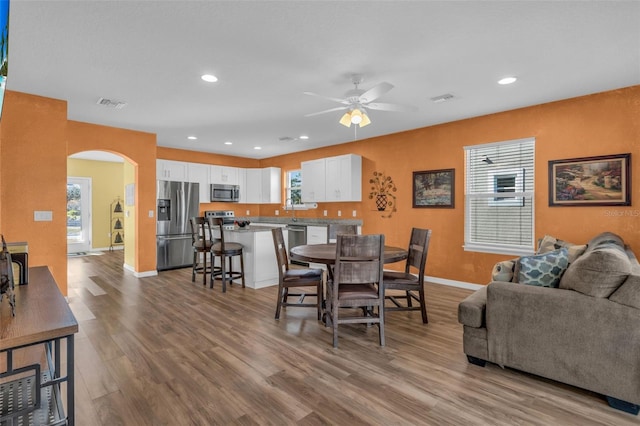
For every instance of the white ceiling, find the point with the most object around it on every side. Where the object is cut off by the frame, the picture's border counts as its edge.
(150, 54)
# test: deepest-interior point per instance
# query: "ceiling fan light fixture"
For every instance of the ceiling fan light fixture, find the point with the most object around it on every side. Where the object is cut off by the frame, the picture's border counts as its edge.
(346, 119)
(365, 120)
(356, 116)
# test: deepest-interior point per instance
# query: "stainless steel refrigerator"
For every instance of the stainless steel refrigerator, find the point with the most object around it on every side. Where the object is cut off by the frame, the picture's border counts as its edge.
(177, 202)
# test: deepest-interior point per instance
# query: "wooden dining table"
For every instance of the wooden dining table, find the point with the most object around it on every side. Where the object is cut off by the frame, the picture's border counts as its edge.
(326, 253)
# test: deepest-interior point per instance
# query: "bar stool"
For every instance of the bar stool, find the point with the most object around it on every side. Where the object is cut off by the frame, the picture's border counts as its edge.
(201, 242)
(225, 251)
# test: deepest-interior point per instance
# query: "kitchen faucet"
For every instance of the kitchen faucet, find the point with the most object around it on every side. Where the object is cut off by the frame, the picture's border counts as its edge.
(293, 210)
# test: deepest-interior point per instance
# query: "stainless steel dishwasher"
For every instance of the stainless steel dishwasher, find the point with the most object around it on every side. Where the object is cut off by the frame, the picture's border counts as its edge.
(297, 237)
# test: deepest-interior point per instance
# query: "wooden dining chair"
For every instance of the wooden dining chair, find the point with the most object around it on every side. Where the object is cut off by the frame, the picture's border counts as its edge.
(333, 229)
(357, 283)
(411, 281)
(295, 277)
(201, 243)
(226, 252)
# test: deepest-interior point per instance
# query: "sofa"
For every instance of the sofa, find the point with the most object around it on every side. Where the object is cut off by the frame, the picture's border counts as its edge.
(569, 313)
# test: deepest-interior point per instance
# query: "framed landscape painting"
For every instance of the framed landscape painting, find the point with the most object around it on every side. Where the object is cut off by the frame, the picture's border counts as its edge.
(591, 181)
(434, 188)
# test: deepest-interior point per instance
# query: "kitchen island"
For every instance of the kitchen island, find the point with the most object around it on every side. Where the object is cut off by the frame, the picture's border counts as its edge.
(260, 266)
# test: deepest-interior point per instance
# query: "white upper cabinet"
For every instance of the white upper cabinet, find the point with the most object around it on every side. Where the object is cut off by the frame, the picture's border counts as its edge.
(200, 173)
(224, 175)
(313, 180)
(272, 185)
(253, 188)
(171, 170)
(332, 179)
(344, 178)
(242, 182)
(263, 186)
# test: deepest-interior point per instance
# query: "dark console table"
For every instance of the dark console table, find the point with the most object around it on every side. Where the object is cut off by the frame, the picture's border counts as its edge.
(31, 390)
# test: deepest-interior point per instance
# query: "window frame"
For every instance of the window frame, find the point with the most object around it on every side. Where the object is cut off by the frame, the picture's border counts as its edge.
(487, 190)
(289, 188)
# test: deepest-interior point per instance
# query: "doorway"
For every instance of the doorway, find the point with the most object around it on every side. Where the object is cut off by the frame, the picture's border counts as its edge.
(78, 214)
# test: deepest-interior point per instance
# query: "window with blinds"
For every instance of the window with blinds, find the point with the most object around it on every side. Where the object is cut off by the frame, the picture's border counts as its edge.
(499, 211)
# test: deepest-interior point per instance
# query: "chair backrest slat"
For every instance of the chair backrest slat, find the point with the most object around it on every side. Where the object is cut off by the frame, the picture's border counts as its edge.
(359, 259)
(334, 229)
(418, 250)
(281, 250)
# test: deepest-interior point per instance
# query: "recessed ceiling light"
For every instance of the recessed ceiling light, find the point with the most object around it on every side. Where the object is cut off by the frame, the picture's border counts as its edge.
(257, 147)
(193, 138)
(507, 80)
(228, 143)
(304, 137)
(209, 78)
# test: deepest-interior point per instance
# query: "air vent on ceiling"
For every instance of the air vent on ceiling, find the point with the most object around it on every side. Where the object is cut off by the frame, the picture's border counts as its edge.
(111, 103)
(442, 98)
(287, 139)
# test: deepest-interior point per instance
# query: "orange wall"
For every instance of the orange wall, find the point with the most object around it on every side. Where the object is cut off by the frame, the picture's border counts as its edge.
(140, 149)
(33, 154)
(599, 124)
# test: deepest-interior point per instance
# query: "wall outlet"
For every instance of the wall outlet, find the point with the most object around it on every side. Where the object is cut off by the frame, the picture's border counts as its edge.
(150, 213)
(324, 213)
(248, 212)
(339, 213)
(277, 212)
(42, 215)
(354, 213)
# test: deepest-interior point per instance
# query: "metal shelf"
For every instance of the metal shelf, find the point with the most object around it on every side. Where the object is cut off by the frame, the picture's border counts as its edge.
(20, 396)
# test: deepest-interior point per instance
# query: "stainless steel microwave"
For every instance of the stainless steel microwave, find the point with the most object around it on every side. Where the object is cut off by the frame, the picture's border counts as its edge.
(225, 193)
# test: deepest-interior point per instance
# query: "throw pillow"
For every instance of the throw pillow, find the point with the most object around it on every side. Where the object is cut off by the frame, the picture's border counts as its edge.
(598, 272)
(503, 271)
(543, 270)
(549, 243)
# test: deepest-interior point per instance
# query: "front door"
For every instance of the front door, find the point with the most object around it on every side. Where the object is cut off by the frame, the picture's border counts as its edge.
(78, 214)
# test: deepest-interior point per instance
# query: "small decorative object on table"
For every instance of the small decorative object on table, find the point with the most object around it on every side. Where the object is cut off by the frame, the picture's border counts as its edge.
(242, 223)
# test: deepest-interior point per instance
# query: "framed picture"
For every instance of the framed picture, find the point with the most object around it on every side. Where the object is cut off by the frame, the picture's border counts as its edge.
(591, 181)
(434, 188)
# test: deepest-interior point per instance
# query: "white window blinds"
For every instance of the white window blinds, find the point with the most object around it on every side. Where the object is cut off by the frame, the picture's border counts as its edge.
(499, 211)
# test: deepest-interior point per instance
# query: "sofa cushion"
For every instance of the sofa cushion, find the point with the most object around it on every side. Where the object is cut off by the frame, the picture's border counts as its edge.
(601, 269)
(543, 270)
(605, 238)
(629, 292)
(549, 243)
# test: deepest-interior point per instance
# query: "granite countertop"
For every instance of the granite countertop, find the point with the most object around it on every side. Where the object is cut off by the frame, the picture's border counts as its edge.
(252, 228)
(307, 221)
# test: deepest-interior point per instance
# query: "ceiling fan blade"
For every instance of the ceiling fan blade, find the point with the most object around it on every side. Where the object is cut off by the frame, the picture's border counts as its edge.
(391, 107)
(327, 110)
(342, 101)
(375, 92)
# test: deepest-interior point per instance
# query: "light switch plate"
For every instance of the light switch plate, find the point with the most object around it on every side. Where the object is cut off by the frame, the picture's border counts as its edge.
(277, 212)
(354, 213)
(339, 213)
(150, 213)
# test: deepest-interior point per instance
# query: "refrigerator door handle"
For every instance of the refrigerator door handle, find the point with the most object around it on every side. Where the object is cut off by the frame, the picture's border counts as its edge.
(183, 237)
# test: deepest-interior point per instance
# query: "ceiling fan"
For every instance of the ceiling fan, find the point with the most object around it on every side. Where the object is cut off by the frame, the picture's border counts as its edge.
(358, 101)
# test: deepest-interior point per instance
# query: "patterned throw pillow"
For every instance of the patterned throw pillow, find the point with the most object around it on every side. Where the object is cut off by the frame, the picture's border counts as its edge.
(549, 243)
(543, 270)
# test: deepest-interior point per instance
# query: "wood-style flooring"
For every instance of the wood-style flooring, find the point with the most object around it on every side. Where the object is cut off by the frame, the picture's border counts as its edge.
(166, 351)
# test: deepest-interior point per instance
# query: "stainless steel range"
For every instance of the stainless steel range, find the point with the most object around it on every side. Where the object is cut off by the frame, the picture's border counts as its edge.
(228, 217)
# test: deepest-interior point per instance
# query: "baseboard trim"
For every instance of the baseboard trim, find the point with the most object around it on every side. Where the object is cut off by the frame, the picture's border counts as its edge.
(107, 248)
(453, 283)
(139, 274)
